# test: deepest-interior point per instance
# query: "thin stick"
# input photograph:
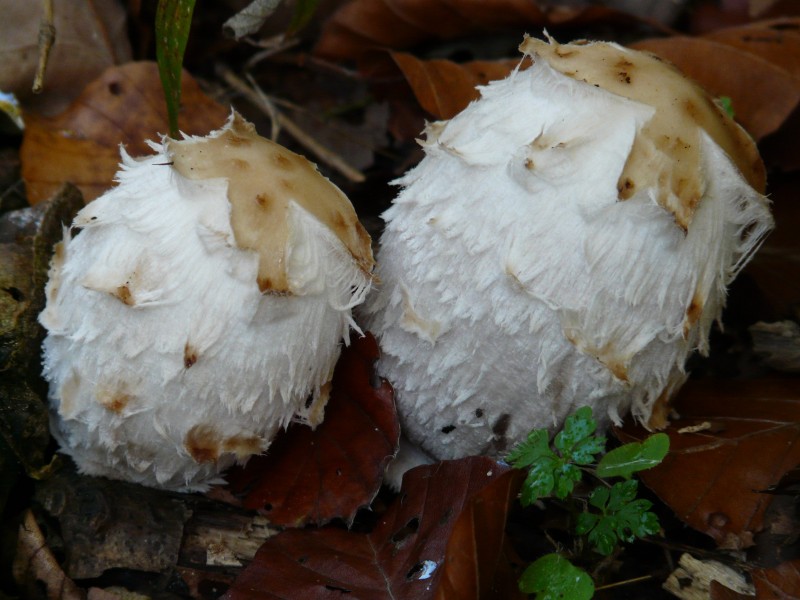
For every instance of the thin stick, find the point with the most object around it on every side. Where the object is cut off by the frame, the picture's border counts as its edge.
(47, 37)
(625, 582)
(325, 155)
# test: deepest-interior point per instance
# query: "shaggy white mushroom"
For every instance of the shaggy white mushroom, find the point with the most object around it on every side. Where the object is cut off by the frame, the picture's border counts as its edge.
(199, 308)
(566, 240)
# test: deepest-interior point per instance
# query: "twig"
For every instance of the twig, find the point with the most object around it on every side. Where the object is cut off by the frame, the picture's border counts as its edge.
(47, 37)
(293, 129)
(269, 107)
(608, 586)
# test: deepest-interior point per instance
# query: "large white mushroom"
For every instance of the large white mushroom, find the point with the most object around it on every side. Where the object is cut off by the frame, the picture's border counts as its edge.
(199, 308)
(567, 240)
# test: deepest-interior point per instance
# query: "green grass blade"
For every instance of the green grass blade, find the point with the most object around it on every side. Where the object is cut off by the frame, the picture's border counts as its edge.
(173, 21)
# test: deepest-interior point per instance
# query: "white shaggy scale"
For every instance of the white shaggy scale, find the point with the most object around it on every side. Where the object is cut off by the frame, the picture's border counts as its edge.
(166, 362)
(517, 286)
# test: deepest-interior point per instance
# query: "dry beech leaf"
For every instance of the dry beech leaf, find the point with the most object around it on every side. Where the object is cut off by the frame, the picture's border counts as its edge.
(775, 268)
(777, 41)
(125, 105)
(91, 35)
(362, 25)
(439, 539)
(444, 88)
(747, 437)
(315, 476)
(779, 583)
(764, 93)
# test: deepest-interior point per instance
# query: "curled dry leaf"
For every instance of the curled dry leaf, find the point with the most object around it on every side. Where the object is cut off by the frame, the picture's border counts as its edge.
(440, 538)
(125, 105)
(315, 476)
(362, 25)
(779, 583)
(444, 88)
(91, 35)
(36, 569)
(740, 438)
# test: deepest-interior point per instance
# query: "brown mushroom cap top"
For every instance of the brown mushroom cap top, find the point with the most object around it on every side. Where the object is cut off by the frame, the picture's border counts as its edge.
(263, 177)
(681, 106)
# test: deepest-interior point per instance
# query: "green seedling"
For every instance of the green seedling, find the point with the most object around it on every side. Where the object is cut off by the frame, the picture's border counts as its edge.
(611, 515)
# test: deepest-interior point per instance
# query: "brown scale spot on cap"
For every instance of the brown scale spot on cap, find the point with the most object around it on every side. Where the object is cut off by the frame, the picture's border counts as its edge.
(238, 140)
(202, 443)
(693, 313)
(625, 188)
(282, 161)
(189, 356)
(529, 164)
(692, 109)
(617, 368)
(115, 402)
(67, 394)
(287, 185)
(624, 77)
(243, 446)
(263, 200)
(239, 165)
(123, 293)
(659, 415)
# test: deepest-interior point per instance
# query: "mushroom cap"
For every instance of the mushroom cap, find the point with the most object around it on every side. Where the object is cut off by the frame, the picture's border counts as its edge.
(665, 154)
(168, 356)
(522, 277)
(263, 178)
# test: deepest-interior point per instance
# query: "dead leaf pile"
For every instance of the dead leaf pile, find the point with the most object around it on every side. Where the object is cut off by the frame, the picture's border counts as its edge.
(441, 538)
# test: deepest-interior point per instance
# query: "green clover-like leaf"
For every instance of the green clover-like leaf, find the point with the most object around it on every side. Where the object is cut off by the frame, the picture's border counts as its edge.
(529, 452)
(553, 577)
(633, 457)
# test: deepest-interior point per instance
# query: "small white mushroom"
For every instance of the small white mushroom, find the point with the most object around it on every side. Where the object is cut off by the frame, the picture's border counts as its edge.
(567, 240)
(199, 308)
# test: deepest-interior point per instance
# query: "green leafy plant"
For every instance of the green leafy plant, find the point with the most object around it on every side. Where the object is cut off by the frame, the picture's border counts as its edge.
(609, 515)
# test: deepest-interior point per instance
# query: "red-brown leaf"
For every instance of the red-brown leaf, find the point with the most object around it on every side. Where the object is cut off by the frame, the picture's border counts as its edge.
(780, 583)
(444, 88)
(714, 479)
(362, 25)
(125, 105)
(440, 538)
(315, 476)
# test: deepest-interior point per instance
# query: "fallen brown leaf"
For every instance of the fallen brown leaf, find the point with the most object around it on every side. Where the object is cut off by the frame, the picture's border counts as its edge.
(315, 476)
(444, 88)
(439, 538)
(36, 569)
(747, 437)
(780, 583)
(125, 105)
(362, 25)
